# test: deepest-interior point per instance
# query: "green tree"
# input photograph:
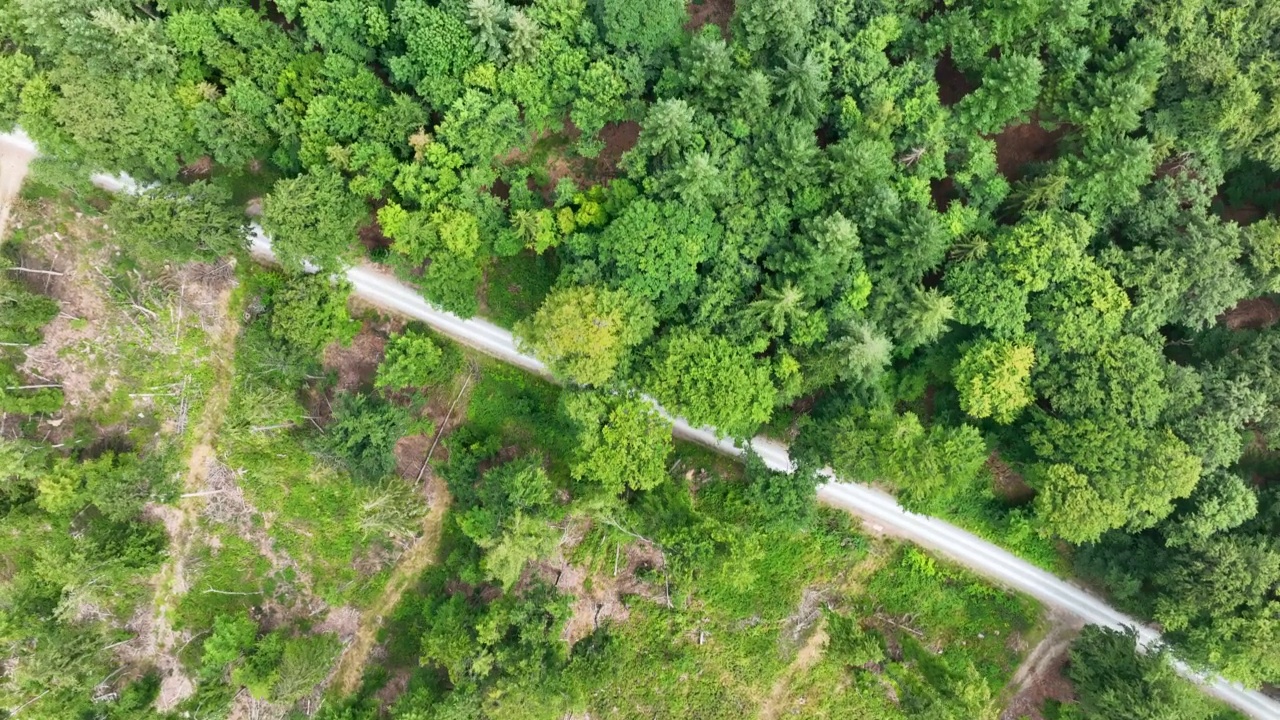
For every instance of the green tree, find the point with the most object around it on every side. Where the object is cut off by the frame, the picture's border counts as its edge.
(778, 306)
(622, 442)
(312, 219)
(1221, 501)
(994, 379)
(232, 636)
(179, 222)
(363, 434)
(927, 466)
(652, 250)
(1010, 86)
(438, 52)
(786, 499)
(412, 360)
(1116, 679)
(585, 334)
(310, 311)
(1072, 506)
(641, 27)
(710, 381)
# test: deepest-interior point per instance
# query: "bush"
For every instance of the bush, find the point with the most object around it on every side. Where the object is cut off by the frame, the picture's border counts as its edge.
(363, 434)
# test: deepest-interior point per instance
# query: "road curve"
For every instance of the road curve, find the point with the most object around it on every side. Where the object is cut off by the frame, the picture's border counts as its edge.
(876, 507)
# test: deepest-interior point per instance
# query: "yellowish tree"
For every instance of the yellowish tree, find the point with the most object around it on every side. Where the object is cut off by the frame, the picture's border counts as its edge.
(586, 334)
(994, 379)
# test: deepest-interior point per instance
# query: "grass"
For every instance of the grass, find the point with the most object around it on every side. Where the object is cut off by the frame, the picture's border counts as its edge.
(739, 618)
(515, 286)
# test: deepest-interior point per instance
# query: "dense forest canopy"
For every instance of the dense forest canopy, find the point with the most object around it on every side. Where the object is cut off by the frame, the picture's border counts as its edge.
(933, 242)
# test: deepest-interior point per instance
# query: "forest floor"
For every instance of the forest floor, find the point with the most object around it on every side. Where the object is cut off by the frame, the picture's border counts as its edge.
(809, 654)
(169, 582)
(410, 567)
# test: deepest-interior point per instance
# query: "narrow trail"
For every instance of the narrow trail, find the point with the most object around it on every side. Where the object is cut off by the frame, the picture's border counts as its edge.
(170, 580)
(810, 653)
(1039, 664)
(410, 567)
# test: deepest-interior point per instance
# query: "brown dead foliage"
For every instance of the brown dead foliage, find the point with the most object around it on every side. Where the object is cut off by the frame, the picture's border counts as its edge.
(1252, 314)
(1024, 143)
(199, 169)
(357, 363)
(1007, 483)
(716, 12)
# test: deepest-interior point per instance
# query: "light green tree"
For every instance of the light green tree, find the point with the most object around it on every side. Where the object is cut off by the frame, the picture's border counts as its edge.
(994, 379)
(623, 443)
(585, 334)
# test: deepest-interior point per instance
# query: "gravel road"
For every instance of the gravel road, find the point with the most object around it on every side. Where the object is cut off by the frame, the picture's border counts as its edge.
(881, 512)
(877, 508)
(16, 153)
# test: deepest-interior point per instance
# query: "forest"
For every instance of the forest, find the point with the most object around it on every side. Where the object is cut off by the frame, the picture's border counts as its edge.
(1016, 260)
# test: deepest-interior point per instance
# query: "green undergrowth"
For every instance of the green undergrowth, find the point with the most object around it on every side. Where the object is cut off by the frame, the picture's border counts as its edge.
(711, 633)
(516, 285)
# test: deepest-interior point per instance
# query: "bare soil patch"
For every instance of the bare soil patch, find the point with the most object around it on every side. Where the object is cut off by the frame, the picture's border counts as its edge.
(1253, 314)
(199, 169)
(73, 342)
(357, 363)
(1019, 145)
(953, 85)
(716, 12)
(808, 655)
(1041, 676)
(170, 582)
(599, 593)
(1242, 215)
(618, 138)
(371, 236)
(1008, 484)
(943, 192)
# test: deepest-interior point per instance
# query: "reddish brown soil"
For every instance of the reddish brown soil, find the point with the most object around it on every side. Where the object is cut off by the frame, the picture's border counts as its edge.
(618, 138)
(943, 192)
(371, 236)
(1042, 675)
(1253, 314)
(1246, 214)
(717, 12)
(1006, 483)
(199, 169)
(411, 452)
(1018, 145)
(357, 363)
(501, 189)
(953, 85)
(599, 592)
